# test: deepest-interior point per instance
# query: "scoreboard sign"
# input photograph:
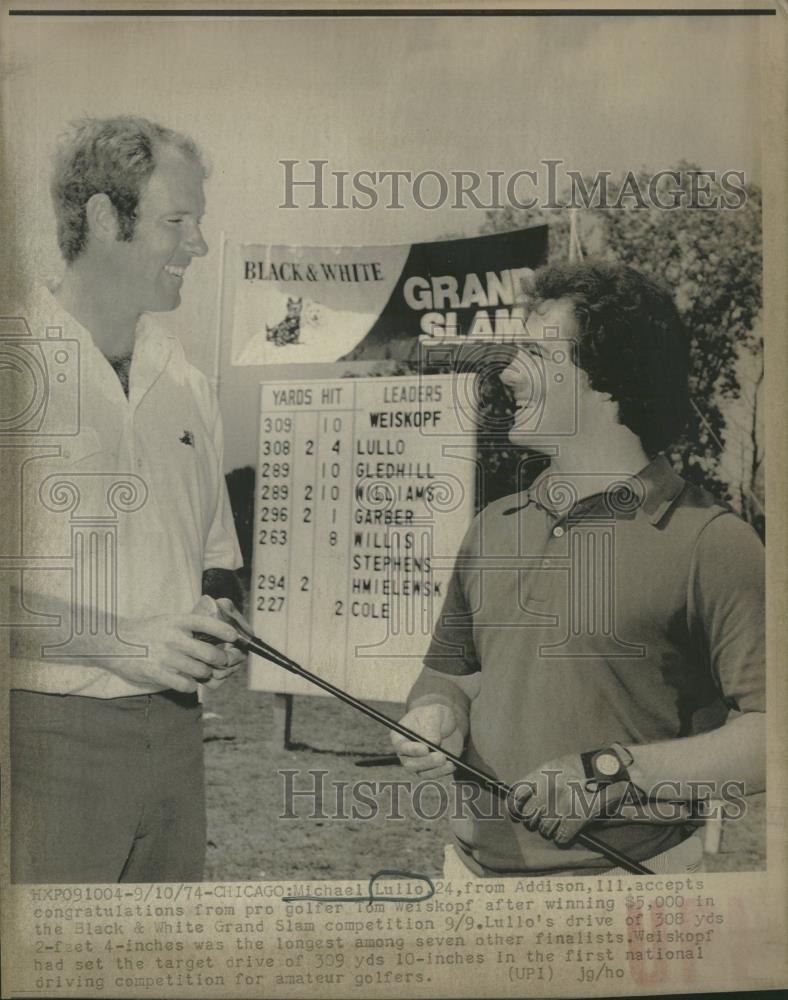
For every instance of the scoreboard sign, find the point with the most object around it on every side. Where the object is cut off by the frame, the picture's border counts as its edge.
(365, 488)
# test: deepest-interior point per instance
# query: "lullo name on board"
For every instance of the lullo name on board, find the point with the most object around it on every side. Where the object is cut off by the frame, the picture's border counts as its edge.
(374, 446)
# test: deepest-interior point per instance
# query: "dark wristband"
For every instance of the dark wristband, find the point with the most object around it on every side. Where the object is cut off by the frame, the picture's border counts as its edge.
(607, 766)
(218, 583)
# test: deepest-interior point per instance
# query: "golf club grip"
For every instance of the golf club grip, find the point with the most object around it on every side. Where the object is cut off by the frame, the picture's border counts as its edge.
(255, 645)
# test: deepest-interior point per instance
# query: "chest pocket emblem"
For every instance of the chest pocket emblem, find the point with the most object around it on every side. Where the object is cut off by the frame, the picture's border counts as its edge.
(187, 438)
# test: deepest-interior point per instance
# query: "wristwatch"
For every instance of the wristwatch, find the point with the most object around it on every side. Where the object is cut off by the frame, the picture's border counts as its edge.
(607, 766)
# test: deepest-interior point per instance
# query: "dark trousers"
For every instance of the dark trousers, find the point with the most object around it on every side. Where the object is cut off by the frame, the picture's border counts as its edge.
(107, 790)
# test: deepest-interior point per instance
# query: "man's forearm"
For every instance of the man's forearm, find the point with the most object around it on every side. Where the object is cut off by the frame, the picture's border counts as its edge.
(36, 645)
(683, 768)
(28, 643)
(30, 646)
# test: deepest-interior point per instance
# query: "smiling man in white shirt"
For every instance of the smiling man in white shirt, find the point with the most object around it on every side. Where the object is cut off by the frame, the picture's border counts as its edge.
(106, 742)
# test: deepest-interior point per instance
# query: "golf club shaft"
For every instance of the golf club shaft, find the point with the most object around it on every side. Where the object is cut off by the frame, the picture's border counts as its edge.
(499, 788)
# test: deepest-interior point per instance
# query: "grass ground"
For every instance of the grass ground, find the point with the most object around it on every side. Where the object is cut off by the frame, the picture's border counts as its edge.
(247, 839)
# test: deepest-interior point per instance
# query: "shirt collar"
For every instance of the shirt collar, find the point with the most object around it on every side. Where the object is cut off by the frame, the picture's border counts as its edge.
(663, 488)
(654, 489)
(52, 313)
(152, 345)
(49, 312)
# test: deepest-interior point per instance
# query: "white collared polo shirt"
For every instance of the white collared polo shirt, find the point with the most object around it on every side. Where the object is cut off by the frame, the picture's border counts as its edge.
(123, 511)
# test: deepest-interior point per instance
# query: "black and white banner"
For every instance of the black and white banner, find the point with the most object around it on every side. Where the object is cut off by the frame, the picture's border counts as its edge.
(321, 305)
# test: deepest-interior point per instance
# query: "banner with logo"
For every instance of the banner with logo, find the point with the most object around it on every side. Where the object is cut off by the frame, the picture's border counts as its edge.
(323, 305)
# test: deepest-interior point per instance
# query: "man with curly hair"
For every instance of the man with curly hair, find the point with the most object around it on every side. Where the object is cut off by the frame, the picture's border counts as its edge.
(601, 646)
(106, 741)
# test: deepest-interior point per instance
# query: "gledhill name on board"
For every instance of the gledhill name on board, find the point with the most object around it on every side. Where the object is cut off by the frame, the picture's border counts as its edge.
(394, 470)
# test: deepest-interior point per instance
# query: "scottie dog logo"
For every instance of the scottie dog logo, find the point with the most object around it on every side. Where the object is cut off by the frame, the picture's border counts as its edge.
(288, 330)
